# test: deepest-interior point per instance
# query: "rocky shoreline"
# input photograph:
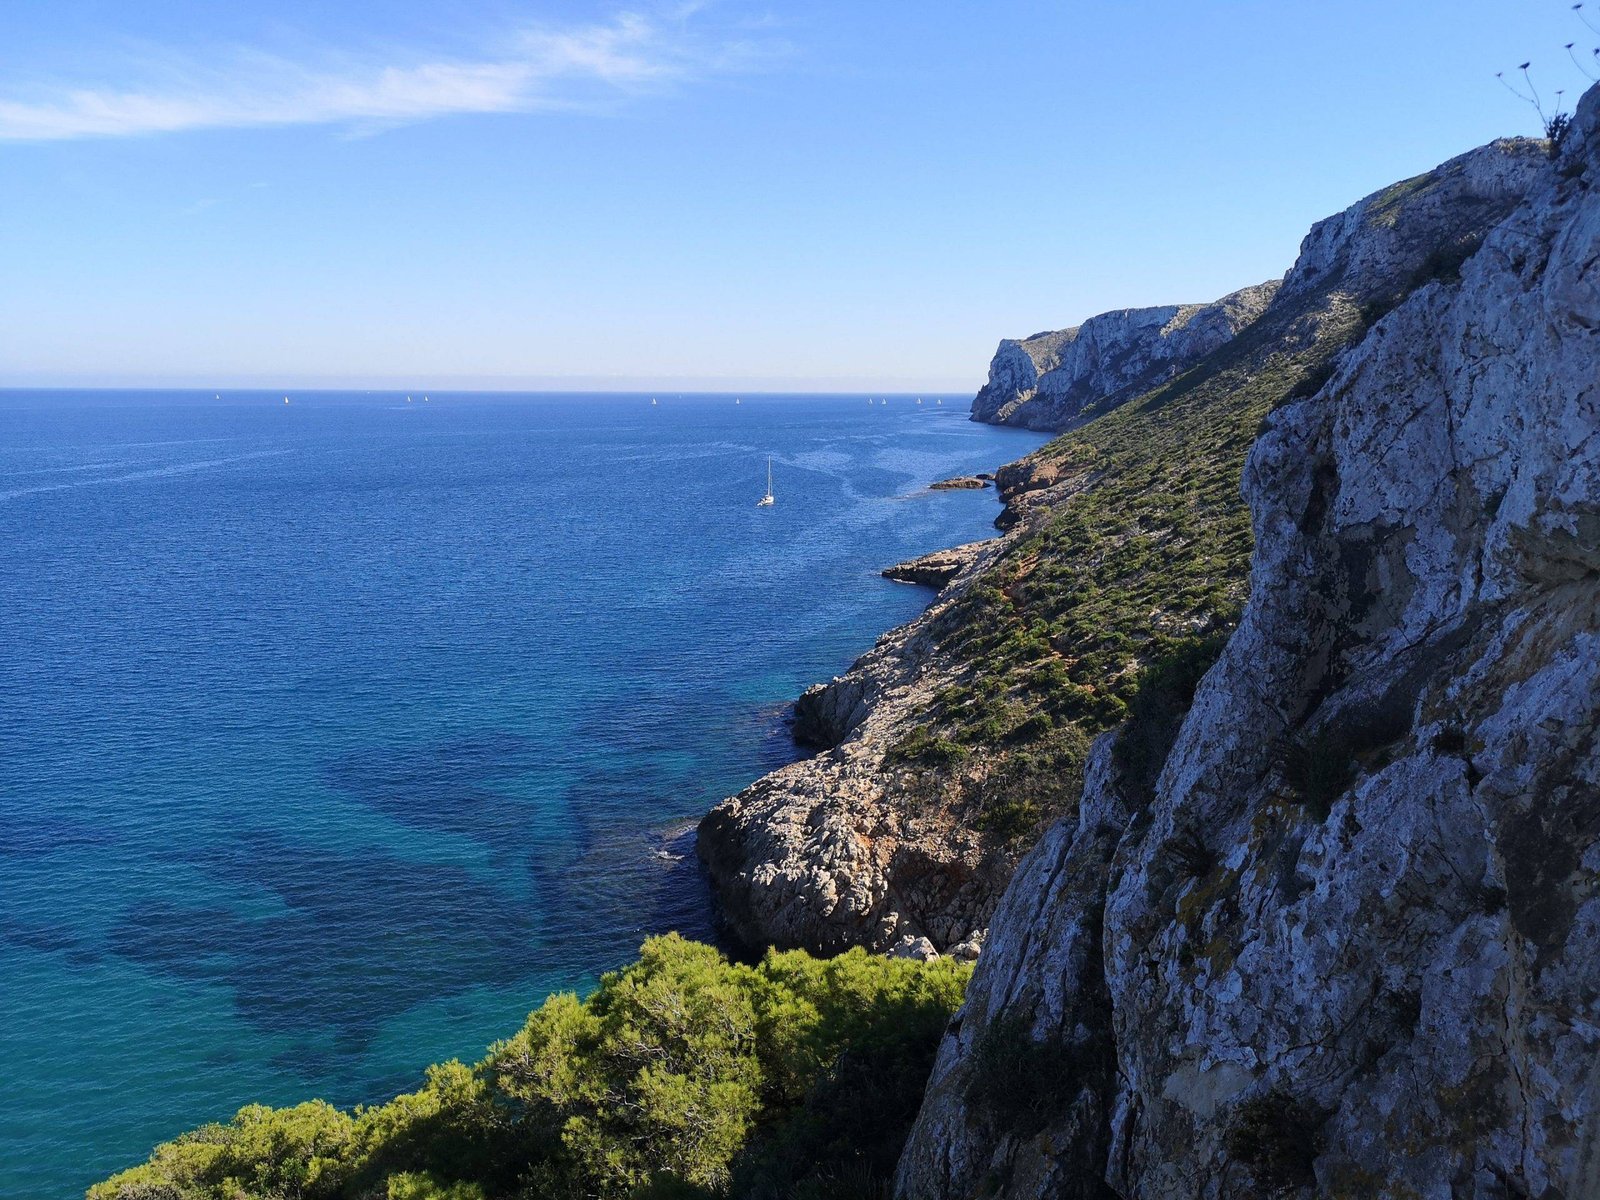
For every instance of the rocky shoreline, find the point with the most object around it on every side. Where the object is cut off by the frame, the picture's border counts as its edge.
(1320, 918)
(1342, 944)
(865, 843)
(938, 569)
(811, 856)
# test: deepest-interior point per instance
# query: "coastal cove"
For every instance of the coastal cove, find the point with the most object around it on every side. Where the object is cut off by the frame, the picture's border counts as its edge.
(339, 733)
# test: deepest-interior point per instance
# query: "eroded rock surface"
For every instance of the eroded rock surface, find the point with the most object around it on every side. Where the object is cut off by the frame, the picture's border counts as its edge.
(937, 569)
(820, 855)
(1047, 380)
(1347, 944)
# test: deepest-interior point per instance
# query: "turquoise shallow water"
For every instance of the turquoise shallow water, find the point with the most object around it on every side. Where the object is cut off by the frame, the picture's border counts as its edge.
(334, 735)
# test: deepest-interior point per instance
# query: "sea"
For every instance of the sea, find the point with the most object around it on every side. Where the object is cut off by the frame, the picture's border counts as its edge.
(337, 729)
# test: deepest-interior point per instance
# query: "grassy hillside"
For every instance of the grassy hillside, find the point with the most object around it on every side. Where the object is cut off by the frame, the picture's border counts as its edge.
(1128, 570)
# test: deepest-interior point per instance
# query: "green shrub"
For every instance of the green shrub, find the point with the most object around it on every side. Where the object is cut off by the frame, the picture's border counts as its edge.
(1278, 1137)
(922, 745)
(1444, 263)
(304, 1152)
(681, 1073)
(1166, 689)
(1320, 768)
(1016, 1080)
(407, 1186)
(1031, 787)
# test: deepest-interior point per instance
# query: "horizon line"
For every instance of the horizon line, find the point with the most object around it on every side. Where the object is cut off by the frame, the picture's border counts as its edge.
(481, 391)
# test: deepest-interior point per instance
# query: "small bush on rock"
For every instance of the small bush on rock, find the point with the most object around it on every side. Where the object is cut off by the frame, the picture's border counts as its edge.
(1319, 768)
(1018, 1080)
(1278, 1137)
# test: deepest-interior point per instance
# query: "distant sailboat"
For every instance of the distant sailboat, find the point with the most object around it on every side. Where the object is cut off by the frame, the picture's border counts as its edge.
(766, 501)
(736, 400)
(286, 399)
(653, 400)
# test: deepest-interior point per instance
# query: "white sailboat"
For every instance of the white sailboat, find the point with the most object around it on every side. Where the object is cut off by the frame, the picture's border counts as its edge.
(767, 500)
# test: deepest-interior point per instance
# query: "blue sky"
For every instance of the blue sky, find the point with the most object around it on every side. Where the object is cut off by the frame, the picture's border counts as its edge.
(864, 194)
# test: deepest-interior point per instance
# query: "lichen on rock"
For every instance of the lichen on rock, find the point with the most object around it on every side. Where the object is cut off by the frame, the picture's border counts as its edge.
(1346, 945)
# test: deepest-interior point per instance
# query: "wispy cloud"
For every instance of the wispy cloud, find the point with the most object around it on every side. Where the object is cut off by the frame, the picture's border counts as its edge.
(532, 70)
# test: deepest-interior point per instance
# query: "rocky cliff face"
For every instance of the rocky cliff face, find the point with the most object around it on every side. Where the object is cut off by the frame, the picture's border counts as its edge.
(829, 853)
(1049, 380)
(953, 744)
(1345, 943)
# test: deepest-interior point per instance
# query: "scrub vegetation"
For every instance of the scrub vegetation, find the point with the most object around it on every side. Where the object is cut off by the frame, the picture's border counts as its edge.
(1112, 602)
(683, 1076)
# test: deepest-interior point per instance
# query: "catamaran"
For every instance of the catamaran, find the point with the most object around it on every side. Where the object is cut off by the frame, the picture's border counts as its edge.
(767, 499)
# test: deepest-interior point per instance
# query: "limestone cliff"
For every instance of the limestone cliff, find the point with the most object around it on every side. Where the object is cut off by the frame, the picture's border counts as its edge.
(953, 745)
(1049, 380)
(818, 855)
(1336, 935)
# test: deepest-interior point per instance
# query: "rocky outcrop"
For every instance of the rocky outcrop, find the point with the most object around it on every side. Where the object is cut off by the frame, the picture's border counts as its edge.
(972, 482)
(826, 714)
(936, 570)
(1052, 381)
(822, 854)
(1345, 944)
(867, 843)
(1049, 380)
(1366, 258)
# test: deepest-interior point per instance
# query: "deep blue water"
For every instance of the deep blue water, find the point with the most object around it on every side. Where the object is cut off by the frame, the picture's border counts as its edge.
(334, 735)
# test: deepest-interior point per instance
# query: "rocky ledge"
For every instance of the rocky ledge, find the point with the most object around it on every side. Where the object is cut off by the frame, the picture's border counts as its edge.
(936, 570)
(972, 482)
(823, 854)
